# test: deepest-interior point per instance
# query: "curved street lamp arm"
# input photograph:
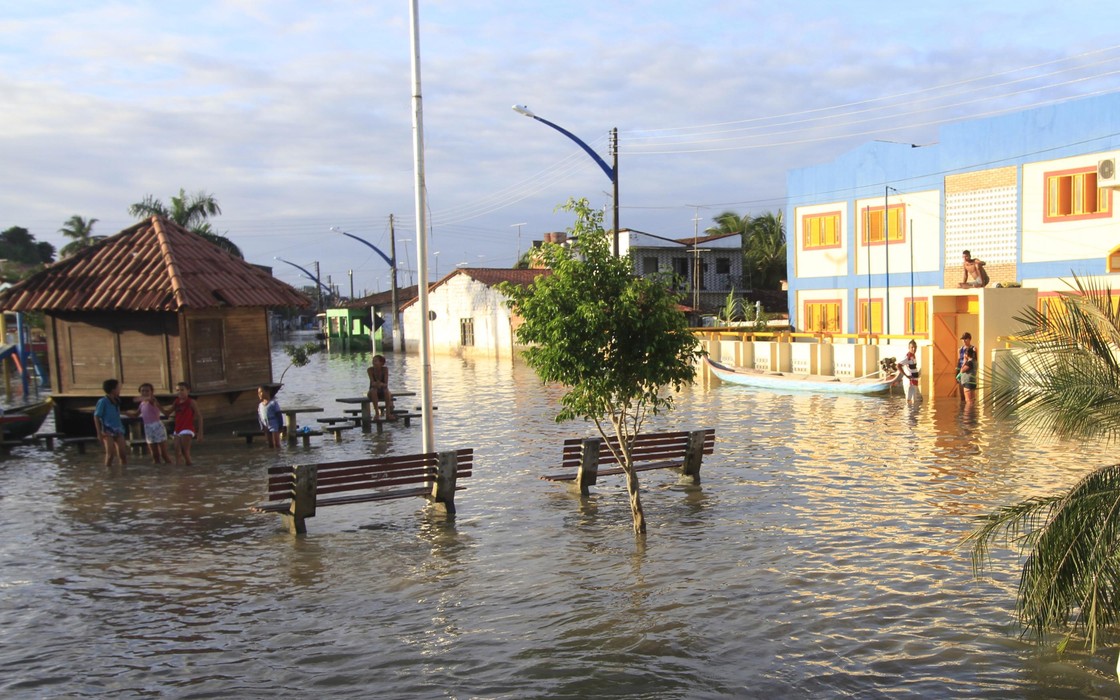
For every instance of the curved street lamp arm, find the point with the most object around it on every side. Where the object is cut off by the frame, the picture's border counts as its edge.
(306, 274)
(377, 250)
(595, 156)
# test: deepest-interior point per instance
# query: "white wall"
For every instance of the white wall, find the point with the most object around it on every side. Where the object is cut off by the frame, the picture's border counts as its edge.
(458, 298)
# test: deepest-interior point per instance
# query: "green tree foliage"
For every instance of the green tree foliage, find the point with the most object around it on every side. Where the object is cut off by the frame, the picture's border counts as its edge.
(1064, 380)
(299, 355)
(80, 233)
(764, 246)
(191, 212)
(19, 246)
(616, 342)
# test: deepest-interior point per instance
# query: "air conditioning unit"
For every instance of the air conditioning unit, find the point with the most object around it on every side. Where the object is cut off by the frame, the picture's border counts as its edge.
(1106, 173)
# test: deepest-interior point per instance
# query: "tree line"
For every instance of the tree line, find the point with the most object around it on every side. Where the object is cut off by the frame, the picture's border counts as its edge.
(24, 256)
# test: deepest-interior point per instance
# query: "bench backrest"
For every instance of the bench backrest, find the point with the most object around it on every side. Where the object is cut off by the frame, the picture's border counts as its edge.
(367, 474)
(647, 447)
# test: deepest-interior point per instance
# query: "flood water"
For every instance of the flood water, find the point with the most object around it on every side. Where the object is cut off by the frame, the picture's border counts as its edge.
(820, 558)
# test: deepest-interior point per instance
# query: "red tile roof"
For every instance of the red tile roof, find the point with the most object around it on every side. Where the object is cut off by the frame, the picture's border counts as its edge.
(155, 265)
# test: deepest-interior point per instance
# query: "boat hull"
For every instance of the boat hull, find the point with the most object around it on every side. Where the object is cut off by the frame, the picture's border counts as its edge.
(25, 421)
(782, 381)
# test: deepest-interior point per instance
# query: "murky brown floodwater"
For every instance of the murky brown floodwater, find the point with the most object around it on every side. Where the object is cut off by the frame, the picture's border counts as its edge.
(819, 559)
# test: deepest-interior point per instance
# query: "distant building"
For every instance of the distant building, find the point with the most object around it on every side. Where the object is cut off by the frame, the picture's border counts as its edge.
(877, 235)
(469, 315)
(705, 268)
(155, 303)
(1024, 192)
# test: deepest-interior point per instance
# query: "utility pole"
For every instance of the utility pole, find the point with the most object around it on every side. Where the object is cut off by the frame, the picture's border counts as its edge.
(518, 259)
(398, 329)
(614, 183)
(696, 261)
(318, 289)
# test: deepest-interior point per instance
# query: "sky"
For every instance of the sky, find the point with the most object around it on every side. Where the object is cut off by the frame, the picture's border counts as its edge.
(297, 116)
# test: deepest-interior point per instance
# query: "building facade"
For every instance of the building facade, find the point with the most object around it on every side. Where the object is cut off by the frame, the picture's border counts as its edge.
(705, 269)
(877, 235)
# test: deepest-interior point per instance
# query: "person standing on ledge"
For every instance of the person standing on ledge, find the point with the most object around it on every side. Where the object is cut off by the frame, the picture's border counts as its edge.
(974, 273)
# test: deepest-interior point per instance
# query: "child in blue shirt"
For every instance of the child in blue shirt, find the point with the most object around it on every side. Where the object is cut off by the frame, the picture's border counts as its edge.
(107, 421)
(269, 416)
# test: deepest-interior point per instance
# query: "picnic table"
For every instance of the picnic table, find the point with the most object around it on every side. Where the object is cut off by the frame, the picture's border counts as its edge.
(365, 401)
(291, 412)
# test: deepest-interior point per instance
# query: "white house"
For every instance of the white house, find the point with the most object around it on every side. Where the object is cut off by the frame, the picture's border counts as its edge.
(469, 316)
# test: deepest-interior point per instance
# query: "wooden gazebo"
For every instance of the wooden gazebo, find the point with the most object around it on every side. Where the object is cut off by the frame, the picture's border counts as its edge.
(155, 303)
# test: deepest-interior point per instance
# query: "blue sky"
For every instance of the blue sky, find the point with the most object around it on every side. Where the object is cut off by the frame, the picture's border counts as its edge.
(297, 115)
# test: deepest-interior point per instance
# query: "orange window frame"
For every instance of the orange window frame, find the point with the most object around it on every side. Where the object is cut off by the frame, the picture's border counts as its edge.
(871, 224)
(1073, 195)
(818, 226)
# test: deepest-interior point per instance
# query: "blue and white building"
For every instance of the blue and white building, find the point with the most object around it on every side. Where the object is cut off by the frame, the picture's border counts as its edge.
(876, 236)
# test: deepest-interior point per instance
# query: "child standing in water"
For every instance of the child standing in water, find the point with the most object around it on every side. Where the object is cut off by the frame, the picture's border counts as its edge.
(151, 413)
(188, 422)
(107, 421)
(269, 416)
(910, 373)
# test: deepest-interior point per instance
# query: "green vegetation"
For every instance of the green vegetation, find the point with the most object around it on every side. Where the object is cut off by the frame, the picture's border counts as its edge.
(191, 212)
(1065, 381)
(613, 340)
(21, 254)
(764, 246)
(300, 355)
(80, 231)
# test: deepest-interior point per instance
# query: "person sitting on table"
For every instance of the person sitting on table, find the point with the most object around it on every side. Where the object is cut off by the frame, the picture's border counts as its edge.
(269, 416)
(379, 388)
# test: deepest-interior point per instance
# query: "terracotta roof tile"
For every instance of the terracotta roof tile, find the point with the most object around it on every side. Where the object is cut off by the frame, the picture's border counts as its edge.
(155, 265)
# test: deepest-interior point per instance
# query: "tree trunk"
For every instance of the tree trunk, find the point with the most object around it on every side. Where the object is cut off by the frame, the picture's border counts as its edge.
(635, 502)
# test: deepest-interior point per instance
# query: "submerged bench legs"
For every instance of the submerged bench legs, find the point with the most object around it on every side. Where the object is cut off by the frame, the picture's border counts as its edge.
(305, 485)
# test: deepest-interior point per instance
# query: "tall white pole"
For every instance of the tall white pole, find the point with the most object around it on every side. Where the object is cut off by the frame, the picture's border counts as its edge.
(428, 441)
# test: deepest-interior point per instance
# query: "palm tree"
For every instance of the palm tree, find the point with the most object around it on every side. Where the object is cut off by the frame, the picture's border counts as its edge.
(766, 250)
(81, 231)
(1065, 381)
(189, 212)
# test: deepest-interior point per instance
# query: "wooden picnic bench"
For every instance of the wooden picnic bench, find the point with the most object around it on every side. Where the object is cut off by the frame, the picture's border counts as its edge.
(295, 492)
(249, 435)
(682, 451)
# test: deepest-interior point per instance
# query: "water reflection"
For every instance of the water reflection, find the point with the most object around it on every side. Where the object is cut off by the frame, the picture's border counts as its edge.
(818, 557)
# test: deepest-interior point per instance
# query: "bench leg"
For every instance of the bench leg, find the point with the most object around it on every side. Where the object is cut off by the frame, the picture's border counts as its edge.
(305, 482)
(81, 448)
(588, 474)
(694, 453)
(443, 490)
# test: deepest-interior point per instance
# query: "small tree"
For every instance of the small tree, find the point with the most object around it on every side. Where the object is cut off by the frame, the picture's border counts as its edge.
(300, 356)
(614, 340)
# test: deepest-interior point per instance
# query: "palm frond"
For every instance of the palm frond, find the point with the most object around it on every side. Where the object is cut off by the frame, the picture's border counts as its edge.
(1073, 569)
(1064, 378)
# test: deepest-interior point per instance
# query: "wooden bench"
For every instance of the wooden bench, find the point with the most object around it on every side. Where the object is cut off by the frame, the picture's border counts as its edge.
(353, 420)
(80, 442)
(296, 491)
(337, 430)
(682, 451)
(48, 438)
(250, 434)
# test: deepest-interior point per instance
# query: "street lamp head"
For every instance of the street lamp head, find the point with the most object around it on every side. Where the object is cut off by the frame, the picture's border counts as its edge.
(522, 109)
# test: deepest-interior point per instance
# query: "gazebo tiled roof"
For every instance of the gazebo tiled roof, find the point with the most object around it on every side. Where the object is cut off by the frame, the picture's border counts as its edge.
(155, 265)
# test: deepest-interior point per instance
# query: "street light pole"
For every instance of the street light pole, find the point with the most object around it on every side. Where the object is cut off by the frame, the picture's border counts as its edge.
(612, 173)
